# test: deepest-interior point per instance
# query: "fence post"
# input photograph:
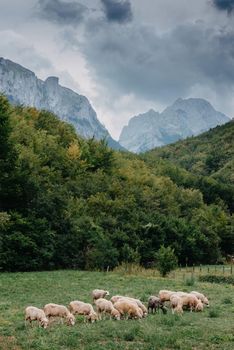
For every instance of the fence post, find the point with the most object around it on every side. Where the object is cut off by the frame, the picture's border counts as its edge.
(208, 269)
(231, 269)
(193, 268)
(200, 268)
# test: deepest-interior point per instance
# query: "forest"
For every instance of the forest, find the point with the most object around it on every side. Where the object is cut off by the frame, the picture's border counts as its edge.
(66, 202)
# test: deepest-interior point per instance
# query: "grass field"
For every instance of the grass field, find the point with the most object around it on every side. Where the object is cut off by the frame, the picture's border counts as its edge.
(212, 329)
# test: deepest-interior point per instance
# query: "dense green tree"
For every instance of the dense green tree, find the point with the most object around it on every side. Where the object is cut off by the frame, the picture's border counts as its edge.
(67, 202)
(166, 260)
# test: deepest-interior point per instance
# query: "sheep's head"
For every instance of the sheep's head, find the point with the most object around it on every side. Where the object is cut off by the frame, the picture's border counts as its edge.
(179, 309)
(107, 293)
(206, 302)
(115, 314)
(71, 319)
(44, 322)
(92, 317)
(199, 306)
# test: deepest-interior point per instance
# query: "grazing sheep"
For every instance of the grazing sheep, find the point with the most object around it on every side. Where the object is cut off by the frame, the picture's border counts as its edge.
(80, 308)
(176, 304)
(32, 313)
(201, 297)
(164, 295)
(106, 307)
(128, 307)
(187, 300)
(116, 298)
(154, 304)
(55, 310)
(192, 302)
(99, 293)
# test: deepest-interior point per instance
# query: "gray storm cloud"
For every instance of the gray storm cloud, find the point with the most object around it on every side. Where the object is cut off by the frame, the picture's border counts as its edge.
(224, 5)
(138, 60)
(61, 12)
(117, 10)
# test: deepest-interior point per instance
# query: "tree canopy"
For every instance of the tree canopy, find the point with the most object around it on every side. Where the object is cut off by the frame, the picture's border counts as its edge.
(67, 202)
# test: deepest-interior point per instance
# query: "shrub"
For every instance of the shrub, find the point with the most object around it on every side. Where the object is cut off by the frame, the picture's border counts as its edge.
(190, 281)
(166, 260)
(217, 279)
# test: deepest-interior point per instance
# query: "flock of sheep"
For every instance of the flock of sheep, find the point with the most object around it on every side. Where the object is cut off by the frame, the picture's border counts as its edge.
(117, 307)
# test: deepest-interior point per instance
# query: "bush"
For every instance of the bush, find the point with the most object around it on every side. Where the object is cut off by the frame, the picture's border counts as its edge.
(190, 281)
(217, 279)
(166, 260)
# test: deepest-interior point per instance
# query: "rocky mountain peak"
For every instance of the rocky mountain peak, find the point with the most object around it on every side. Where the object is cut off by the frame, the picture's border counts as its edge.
(23, 87)
(184, 118)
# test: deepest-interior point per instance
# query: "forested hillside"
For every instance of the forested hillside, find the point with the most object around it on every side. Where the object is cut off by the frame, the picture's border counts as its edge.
(209, 154)
(205, 162)
(70, 203)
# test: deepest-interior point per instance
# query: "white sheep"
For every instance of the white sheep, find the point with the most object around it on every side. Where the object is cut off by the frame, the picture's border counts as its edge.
(55, 310)
(116, 298)
(99, 293)
(80, 308)
(32, 313)
(128, 307)
(178, 302)
(201, 297)
(106, 307)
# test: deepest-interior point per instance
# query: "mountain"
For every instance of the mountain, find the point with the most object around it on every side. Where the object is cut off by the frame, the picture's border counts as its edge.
(22, 86)
(184, 118)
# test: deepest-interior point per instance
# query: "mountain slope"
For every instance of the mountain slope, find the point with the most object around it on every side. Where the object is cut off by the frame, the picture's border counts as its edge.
(204, 162)
(209, 154)
(22, 86)
(182, 119)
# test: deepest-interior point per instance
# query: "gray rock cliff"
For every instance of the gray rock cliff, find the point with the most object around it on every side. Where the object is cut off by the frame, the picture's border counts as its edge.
(22, 86)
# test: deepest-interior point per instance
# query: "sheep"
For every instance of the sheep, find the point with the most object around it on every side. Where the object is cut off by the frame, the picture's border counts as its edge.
(116, 298)
(201, 297)
(81, 308)
(32, 313)
(55, 310)
(192, 302)
(99, 293)
(154, 304)
(125, 306)
(176, 304)
(106, 306)
(187, 300)
(164, 295)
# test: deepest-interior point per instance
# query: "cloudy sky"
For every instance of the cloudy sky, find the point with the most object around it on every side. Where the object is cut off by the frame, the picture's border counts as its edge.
(126, 56)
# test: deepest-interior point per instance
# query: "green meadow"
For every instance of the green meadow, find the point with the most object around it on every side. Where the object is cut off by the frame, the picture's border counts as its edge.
(211, 329)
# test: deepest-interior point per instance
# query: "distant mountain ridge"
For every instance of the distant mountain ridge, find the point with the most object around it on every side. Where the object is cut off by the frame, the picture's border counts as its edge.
(22, 86)
(184, 118)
